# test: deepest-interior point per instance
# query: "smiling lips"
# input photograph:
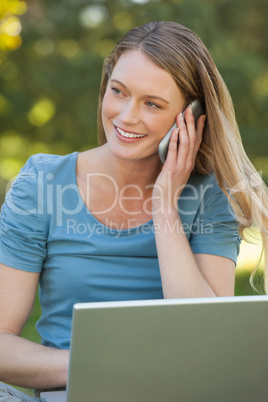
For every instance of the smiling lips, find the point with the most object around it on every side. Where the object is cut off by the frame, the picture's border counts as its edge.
(129, 135)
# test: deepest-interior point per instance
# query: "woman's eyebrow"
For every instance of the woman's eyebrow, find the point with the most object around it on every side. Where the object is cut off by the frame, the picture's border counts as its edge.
(145, 96)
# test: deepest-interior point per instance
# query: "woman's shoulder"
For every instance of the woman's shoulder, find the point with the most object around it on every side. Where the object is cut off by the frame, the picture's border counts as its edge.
(37, 161)
(203, 184)
(39, 170)
(206, 190)
(199, 179)
(47, 167)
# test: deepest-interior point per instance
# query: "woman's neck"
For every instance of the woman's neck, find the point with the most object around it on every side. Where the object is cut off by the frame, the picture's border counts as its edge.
(122, 188)
(140, 173)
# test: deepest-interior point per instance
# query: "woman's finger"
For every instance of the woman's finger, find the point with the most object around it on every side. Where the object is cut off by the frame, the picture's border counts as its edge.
(190, 124)
(184, 141)
(199, 130)
(173, 146)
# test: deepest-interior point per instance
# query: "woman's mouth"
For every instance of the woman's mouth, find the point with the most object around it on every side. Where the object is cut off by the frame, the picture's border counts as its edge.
(127, 134)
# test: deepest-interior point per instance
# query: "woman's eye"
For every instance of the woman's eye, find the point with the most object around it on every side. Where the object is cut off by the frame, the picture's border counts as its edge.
(116, 91)
(152, 105)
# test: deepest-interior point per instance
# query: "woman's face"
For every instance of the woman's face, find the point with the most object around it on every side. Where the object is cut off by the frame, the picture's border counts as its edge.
(139, 106)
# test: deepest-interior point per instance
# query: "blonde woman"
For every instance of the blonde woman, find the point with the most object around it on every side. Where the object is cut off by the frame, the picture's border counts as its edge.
(114, 223)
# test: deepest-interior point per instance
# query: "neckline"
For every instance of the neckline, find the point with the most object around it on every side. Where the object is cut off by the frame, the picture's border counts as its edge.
(87, 211)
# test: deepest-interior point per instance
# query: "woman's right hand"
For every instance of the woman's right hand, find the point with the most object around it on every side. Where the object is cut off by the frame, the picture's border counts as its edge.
(179, 163)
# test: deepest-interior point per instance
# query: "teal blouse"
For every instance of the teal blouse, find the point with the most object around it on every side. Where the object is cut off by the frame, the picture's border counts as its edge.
(46, 227)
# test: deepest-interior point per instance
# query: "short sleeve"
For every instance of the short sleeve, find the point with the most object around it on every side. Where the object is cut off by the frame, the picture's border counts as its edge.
(215, 230)
(22, 220)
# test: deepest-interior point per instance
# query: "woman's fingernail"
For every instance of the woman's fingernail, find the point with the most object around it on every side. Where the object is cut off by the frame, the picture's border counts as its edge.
(204, 118)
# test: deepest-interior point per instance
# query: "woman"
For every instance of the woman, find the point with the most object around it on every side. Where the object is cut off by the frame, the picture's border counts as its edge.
(113, 223)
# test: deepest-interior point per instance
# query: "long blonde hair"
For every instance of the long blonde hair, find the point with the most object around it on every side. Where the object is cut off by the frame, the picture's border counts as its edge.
(181, 52)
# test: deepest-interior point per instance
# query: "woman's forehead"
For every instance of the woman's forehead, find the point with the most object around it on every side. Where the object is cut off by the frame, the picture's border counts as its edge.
(135, 67)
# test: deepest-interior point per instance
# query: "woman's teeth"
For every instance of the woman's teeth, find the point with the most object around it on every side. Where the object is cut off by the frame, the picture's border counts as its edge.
(129, 135)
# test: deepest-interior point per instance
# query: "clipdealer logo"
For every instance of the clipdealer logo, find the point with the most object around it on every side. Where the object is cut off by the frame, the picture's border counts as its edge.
(74, 227)
(66, 201)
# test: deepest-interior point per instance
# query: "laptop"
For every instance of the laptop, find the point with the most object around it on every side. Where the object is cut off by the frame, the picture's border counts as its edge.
(190, 350)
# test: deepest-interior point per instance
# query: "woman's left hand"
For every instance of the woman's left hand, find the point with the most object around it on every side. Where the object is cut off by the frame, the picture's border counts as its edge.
(179, 163)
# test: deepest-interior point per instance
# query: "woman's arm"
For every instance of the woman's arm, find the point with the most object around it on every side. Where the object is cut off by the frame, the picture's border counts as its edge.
(25, 363)
(184, 274)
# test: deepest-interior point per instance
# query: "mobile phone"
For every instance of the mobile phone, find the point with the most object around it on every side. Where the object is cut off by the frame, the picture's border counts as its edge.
(197, 110)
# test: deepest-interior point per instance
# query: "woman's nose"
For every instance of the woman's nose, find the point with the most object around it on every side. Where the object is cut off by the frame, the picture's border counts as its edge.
(129, 113)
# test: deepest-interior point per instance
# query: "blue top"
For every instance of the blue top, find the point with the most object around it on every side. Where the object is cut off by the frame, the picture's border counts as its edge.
(46, 227)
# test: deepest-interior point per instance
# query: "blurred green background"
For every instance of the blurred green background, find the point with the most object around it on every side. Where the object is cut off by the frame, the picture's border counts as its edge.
(51, 55)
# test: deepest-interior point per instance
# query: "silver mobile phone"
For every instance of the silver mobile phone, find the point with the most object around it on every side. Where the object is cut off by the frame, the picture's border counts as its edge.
(163, 146)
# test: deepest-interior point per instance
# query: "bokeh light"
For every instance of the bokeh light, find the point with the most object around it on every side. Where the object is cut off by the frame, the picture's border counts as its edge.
(93, 15)
(42, 112)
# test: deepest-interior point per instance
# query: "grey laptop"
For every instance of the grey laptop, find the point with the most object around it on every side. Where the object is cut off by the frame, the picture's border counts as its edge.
(186, 350)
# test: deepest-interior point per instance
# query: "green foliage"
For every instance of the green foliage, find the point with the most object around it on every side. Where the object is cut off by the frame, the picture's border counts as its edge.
(10, 26)
(49, 85)
(243, 286)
